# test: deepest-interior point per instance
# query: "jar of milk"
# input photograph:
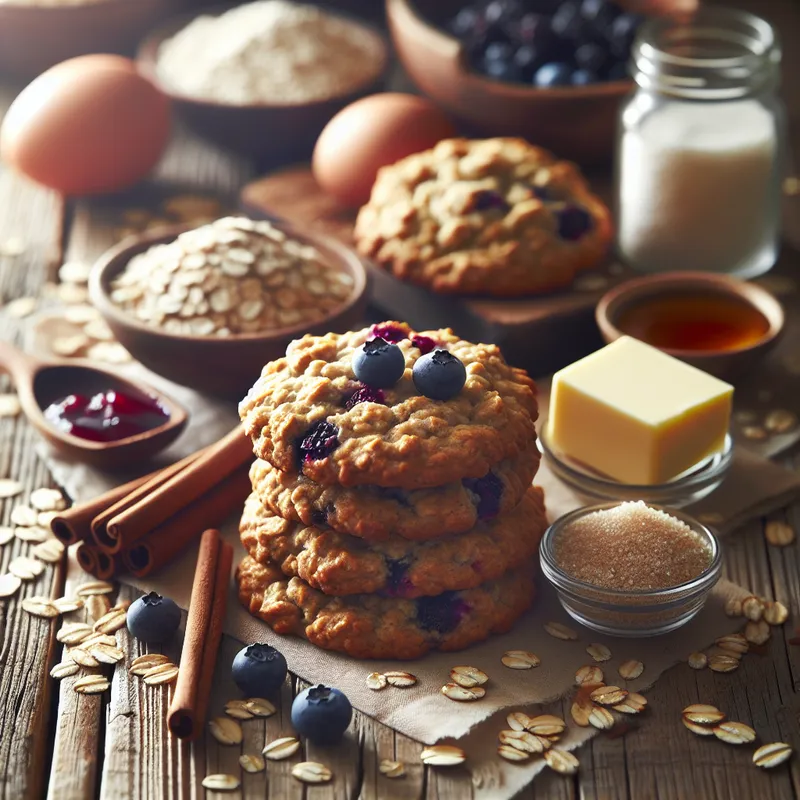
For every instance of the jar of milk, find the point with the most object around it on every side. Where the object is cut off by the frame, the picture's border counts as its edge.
(701, 144)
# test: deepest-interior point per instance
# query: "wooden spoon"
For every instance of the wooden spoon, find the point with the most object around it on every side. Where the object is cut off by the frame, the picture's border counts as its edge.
(40, 383)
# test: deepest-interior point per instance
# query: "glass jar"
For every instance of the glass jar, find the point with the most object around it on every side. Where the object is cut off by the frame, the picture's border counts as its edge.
(701, 146)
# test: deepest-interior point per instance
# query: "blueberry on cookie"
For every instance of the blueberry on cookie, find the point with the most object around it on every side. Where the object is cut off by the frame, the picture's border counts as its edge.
(379, 363)
(439, 375)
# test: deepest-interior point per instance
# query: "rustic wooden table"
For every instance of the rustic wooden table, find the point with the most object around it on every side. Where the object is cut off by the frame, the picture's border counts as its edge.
(57, 744)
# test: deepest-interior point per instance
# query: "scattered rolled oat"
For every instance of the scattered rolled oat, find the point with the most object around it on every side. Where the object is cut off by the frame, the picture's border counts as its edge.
(581, 711)
(468, 676)
(443, 755)
(698, 660)
(74, 272)
(160, 674)
(754, 433)
(48, 500)
(40, 607)
(721, 662)
(733, 644)
(21, 307)
(252, 763)
(311, 772)
(142, 664)
(703, 714)
(99, 638)
(546, 725)
(98, 605)
(733, 607)
(634, 703)
(561, 761)
(757, 632)
(9, 584)
(105, 653)
(51, 551)
(237, 710)
(559, 631)
(608, 695)
(112, 621)
(67, 604)
(522, 740)
(780, 421)
(518, 720)
(32, 535)
(772, 755)
(601, 718)
(9, 405)
(95, 587)
(599, 652)
(752, 608)
(779, 533)
(775, 613)
(279, 749)
(91, 684)
(630, 670)
(511, 753)
(69, 346)
(83, 658)
(26, 569)
(221, 783)
(734, 733)
(452, 691)
(400, 679)
(392, 769)
(64, 670)
(6, 535)
(259, 707)
(376, 681)
(108, 352)
(520, 659)
(225, 730)
(588, 674)
(24, 516)
(9, 488)
(697, 728)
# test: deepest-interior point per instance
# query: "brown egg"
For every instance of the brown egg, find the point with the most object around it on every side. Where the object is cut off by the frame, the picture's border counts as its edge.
(372, 133)
(90, 124)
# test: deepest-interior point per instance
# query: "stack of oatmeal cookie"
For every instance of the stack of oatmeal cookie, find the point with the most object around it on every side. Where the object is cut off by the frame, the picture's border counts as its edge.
(392, 509)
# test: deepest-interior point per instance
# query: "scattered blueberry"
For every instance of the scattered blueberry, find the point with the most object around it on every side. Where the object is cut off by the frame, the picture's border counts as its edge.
(503, 71)
(488, 199)
(489, 489)
(441, 613)
(551, 75)
(591, 57)
(622, 33)
(365, 394)
(319, 517)
(259, 670)
(568, 22)
(388, 332)
(439, 375)
(601, 13)
(583, 77)
(542, 192)
(573, 223)
(527, 59)
(320, 441)
(321, 714)
(465, 22)
(379, 363)
(153, 618)
(423, 343)
(398, 583)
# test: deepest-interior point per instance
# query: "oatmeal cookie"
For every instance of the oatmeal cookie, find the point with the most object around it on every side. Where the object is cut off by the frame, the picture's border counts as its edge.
(338, 564)
(371, 626)
(307, 412)
(377, 513)
(494, 217)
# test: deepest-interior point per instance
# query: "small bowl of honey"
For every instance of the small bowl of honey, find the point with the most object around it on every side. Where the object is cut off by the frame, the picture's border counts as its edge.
(716, 323)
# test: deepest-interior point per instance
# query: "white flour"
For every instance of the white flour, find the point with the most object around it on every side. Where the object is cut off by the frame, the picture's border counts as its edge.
(270, 51)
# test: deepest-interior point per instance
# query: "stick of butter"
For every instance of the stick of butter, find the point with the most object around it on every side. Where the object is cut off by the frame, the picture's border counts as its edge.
(636, 414)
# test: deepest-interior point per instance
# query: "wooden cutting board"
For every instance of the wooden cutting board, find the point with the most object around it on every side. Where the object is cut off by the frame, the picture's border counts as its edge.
(540, 334)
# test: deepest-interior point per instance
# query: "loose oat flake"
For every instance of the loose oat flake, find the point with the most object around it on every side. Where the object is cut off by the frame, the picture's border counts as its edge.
(698, 660)
(754, 433)
(252, 763)
(111, 621)
(95, 587)
(559, 631)
(64, 670)
(6, 535)
(520, 659)
(221, 783)
(634, 703)
(630, 670)
(561, 761)
(518, 721)
(468, 676)
(282, 748)
(91, 684)
(608, 695)
(780, 421)
(779, 533)
(757, 632)
(546, 725)
(9, 405)
(601, 718)
(48, 500)
(772, 755)
(99, 638)
(511, 753)
(40, 607)
(21, 307)
(376, 681)
(73, 633)
(311, 772)
(721, 662)
(161, 674)
(733, 643)
(452, 691)
(599, 652)
(588, 674)
(443, 755)
(106, 653)
(225, 730)
(400, 679)
(259, 707)
(734, 733)
(82, 657)
(775, 613)
(143, 664)
(697, 728)
(9, 584)
(581, 711)
(9, 488)
(237, 710)
(733, 607)
(98, 605)
(522, 740)
(392, 769)
(752, 608)
(50, 551)
(24, 516)
(703, 714)
(32, 535)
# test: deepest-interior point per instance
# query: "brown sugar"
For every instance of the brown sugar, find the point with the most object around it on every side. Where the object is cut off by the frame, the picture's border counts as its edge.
(631, 547)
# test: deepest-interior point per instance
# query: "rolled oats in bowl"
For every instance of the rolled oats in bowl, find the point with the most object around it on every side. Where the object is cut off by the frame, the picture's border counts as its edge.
(232, 276)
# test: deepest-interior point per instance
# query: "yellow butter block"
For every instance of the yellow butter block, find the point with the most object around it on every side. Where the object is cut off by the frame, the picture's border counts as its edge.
(636, 414)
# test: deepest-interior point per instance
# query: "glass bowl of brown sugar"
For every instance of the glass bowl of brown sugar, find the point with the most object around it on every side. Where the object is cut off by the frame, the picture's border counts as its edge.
(630, 569)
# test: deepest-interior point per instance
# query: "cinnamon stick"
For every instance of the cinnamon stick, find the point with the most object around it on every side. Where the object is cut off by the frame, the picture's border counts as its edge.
(157, 504)
(161, 545)
(99, 525)
(187, 711)
(87, 558)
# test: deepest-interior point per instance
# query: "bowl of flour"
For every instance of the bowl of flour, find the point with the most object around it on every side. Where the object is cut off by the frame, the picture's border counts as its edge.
(265, 77)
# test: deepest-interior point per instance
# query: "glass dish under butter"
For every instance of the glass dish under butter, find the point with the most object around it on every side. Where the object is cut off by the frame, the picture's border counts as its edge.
(635, 612)
(690, 486)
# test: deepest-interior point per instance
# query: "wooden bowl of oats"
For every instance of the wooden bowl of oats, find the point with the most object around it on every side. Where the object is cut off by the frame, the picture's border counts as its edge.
(207, 307)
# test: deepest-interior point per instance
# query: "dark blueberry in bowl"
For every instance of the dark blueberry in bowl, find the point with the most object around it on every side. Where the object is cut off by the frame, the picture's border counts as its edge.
(584, 77)
(568, 22)
(527, 60)
(619, 72)
(552, 75)
(592, 57)
(259, 670)
(321, 714)
(423, 343)
(601, 13)
(573, 223)
(365, 394)
(321, 439)
(622, 32)
(153, 618)
(489, 490)
(441, 613)
(465, 22)
(439, 375)
(378, 363)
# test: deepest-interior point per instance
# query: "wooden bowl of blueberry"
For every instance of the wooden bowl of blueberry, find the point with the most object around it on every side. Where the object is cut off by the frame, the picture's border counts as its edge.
(551, 71)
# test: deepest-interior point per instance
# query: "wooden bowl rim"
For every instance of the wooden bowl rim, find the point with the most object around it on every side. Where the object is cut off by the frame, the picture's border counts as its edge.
(147, 60)
(630, 291)
(116, 259)
(512, 91)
